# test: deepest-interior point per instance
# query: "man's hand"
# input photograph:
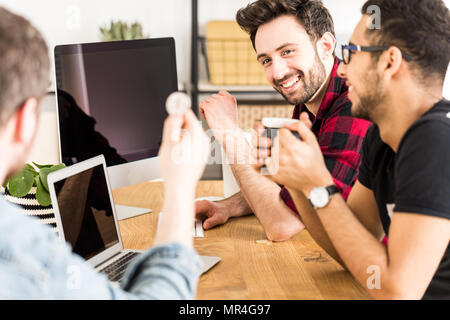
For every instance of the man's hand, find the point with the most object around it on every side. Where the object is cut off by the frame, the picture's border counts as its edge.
(184, 150)
(297, 164)
(261, 144)
(218, 212)
(182, 159)
(220, 111)
(212, 213)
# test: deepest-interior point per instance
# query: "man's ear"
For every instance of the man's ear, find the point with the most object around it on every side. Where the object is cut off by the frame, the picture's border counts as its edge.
(25, 121)
(326, 46)
(390, 62)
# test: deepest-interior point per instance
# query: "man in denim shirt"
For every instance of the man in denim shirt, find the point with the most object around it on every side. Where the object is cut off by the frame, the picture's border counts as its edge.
(34, 264)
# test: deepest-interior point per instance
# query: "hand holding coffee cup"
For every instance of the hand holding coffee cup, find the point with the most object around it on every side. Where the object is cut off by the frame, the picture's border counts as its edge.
(269, 130)
(273, 125)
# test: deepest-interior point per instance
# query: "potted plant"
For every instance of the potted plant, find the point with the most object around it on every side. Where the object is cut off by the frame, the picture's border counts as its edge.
(29, 189)
(122, 31)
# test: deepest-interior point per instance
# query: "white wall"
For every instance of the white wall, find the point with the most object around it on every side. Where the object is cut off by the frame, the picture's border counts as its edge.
(71, 21)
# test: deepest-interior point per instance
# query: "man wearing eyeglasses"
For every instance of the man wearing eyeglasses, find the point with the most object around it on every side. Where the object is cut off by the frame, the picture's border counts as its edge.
(395, 76)
(297, 54)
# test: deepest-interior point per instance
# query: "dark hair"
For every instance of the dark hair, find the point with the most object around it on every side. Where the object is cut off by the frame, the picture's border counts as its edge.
(24, 63)
(311, 14)
(419, 28)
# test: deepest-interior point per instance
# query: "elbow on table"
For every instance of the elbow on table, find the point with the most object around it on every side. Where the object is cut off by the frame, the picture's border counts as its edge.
(385, 295)
(394, 292)
(282, 231)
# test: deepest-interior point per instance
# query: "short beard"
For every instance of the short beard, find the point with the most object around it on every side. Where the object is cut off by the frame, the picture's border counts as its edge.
(368, 103)
(317, 75)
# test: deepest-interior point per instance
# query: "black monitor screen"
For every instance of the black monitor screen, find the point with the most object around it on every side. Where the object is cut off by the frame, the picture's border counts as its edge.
(111, 98)
(86, 214)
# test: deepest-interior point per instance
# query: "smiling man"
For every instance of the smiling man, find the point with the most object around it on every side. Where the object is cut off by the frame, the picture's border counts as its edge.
(395, 76)
(294, 42)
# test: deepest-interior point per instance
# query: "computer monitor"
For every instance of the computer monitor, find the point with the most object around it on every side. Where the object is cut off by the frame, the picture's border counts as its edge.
(111, 101)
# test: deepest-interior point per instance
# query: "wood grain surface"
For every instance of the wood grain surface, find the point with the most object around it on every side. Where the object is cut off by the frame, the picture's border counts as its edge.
(251, 267)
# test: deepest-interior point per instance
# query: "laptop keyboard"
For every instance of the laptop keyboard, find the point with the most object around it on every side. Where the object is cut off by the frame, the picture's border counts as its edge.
(197, 231)
(116, 270)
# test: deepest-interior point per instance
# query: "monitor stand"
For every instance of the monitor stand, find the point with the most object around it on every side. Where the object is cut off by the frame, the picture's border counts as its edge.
(125, 212)
(129, 174)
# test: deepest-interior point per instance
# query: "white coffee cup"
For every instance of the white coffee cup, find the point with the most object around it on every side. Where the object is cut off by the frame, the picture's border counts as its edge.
(272, 126)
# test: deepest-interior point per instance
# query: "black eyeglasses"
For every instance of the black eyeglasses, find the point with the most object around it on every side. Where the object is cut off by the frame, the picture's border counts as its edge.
(348, 48)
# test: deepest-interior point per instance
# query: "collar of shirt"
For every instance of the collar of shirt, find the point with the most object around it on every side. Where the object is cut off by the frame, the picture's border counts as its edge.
(335, 89)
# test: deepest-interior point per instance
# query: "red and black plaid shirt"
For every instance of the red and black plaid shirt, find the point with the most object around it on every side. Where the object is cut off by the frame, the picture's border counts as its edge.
(340, 135)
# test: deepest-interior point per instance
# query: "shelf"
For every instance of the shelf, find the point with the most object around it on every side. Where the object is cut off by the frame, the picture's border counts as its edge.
(204, 86)
(200, 86)
(256, 94)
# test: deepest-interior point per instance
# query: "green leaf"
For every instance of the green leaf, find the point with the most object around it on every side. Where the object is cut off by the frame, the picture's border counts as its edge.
(30, 168)
(120, 30)
(21, 183)
(42, 195)
(44, 172)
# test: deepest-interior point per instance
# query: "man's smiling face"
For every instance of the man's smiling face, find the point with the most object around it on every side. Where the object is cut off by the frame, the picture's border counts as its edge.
(289, 58)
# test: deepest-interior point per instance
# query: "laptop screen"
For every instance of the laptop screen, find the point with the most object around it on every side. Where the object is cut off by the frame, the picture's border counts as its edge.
(86, 214)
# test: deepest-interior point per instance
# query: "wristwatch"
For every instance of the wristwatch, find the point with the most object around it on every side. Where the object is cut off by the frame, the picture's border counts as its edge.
(319, 197)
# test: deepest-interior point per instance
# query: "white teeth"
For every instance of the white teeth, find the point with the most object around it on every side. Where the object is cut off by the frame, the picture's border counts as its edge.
(290, 83)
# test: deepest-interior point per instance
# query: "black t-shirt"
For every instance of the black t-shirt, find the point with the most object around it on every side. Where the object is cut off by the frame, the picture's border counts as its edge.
(415, 180)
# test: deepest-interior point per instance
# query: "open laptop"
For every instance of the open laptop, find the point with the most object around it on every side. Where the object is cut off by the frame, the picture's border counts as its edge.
(86, 217)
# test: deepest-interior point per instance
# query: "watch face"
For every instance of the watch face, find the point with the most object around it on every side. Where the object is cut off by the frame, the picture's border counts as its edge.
(319, 197)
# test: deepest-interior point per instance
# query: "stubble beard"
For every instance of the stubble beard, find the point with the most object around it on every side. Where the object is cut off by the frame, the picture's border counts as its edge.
(369, 102)
(317, 75)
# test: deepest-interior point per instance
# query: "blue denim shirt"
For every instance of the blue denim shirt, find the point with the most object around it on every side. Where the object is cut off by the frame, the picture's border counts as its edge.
(35, 264)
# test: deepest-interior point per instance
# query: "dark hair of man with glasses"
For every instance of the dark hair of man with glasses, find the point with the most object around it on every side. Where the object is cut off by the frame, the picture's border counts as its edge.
(419, 29)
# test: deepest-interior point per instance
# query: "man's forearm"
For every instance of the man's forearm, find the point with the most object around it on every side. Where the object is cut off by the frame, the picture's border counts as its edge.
(263, 197)
(313, 225)
(238, 205)
(261, 194)
(353, 242)
(177, 217)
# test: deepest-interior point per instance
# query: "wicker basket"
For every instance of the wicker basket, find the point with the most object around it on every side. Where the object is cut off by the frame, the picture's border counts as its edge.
(31, 207)
(249, 114)
(231, 57)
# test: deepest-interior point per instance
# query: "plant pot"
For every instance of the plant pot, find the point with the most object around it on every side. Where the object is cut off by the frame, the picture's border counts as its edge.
(31, 207)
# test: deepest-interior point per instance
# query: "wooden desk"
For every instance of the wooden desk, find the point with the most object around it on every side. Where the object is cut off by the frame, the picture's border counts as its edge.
(250, 269)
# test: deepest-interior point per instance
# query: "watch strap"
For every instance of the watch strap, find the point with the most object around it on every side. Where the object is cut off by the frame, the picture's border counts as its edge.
(332, 189)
